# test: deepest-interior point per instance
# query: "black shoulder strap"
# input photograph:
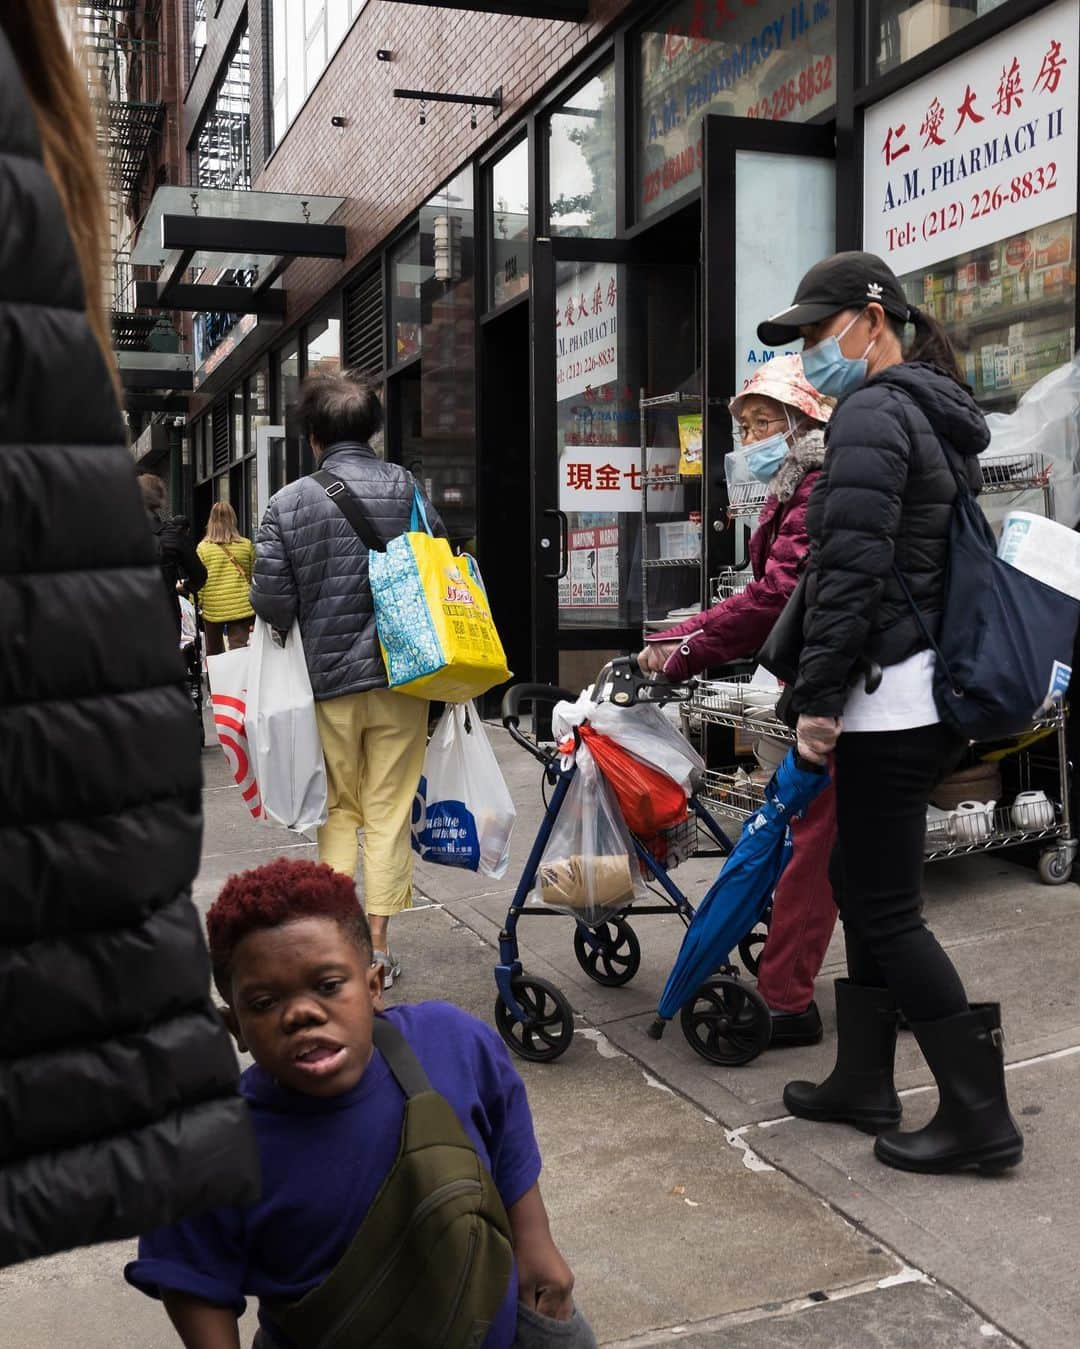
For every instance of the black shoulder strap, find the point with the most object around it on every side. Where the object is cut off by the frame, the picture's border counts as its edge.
(350, 508)
(398, 1053)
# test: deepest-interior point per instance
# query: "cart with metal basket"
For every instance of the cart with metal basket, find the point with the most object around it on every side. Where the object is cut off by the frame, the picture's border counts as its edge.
(726, 1022)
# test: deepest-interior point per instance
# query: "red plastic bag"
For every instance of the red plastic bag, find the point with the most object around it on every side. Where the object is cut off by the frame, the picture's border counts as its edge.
(650, 801)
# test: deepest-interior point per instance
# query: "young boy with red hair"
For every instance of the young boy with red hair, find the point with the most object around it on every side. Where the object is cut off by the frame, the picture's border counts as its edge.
(292, 958)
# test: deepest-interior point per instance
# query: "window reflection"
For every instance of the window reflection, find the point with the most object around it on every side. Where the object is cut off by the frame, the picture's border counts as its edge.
(581, 154)
(509, 224)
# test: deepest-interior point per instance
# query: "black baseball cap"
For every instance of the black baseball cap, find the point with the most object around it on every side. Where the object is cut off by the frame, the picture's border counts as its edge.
(844, 281)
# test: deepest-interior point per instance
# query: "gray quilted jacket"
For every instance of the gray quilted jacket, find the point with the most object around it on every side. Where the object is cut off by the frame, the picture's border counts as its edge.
(311, 564)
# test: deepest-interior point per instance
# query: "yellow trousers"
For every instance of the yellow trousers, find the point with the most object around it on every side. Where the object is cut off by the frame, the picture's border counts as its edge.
(373, 744)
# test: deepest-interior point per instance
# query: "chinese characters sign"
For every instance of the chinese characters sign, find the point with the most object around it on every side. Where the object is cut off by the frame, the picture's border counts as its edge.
(773, 59)
(609, 478)
(586, 330)
(983, 148)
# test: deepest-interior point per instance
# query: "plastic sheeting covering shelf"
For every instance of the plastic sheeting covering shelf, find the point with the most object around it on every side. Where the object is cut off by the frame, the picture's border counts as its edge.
(1046, 422)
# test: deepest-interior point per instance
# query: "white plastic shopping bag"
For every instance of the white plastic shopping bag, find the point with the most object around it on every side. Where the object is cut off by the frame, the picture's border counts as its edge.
(286, 752)
(463, 815)
(589, 868)
(228, 677)
(641, 730)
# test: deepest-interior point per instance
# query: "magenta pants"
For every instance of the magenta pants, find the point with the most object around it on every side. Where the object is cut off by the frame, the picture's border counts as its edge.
(804, 911)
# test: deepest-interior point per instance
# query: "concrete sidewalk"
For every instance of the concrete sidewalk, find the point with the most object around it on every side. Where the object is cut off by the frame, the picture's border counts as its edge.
(692, 1213)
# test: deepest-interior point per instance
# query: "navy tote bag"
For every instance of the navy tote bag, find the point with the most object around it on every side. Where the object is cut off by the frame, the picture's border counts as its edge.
(1005, 649)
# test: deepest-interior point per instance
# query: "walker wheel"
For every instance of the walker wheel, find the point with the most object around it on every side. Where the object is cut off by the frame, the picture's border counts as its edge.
(727, 1022)
(751, 945)
(1055, 866)
(616, 956)
(549, 1029)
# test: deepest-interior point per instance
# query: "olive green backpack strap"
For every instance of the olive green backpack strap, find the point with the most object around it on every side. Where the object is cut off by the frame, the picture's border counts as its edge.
(430, 1264)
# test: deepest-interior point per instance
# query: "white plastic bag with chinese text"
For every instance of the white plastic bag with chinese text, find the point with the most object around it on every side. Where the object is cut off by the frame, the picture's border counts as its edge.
(286, 751)
(463, 815)
(589, 868)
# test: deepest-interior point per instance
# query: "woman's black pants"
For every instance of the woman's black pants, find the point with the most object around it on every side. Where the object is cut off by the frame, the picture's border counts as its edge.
(883, 785)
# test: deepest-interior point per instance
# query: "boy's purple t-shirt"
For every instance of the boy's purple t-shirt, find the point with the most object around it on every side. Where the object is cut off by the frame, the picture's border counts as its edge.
(324, 1159)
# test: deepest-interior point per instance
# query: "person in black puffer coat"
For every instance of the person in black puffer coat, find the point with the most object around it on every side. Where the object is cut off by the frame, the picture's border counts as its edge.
(311, 566)
(118, 1104)
(903, 436)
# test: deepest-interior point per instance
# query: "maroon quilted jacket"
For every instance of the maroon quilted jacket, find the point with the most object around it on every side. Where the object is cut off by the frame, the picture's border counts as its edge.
(735, 628)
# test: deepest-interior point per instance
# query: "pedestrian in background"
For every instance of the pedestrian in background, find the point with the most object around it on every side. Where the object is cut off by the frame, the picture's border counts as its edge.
(312, 565)
(781, 420)
(229, 559)
(117, 1078)
(181, 570)
(905, 433)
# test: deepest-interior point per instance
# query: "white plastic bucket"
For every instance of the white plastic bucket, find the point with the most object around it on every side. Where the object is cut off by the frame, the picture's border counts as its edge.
(1042, 548)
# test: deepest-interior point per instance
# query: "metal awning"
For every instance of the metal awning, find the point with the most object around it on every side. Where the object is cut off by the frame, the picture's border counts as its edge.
(574, 11)
(220, 230)
(155, 372)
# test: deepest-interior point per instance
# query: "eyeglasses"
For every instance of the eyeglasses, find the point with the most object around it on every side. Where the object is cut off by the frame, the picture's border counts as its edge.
(758, 426)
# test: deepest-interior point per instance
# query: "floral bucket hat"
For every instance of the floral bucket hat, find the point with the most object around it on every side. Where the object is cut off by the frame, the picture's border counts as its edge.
(782, 378)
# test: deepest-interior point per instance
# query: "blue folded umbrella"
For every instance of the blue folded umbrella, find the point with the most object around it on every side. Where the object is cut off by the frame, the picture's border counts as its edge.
(741, 893)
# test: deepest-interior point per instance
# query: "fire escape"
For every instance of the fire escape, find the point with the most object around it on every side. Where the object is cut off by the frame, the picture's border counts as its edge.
(125, 73)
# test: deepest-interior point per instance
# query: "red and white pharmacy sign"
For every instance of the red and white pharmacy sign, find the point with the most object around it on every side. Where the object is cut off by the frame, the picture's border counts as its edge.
(587, 330)
(981, 149)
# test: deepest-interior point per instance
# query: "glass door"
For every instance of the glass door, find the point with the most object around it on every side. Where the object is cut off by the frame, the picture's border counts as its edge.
(769, 198)
(270, 475)
(613, 320)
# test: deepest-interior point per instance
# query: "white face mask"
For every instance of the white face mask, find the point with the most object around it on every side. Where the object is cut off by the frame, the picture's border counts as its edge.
(829, 370)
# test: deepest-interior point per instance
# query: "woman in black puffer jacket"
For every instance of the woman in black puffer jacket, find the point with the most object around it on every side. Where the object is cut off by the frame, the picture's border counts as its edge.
(118, 1109)
(905, 429)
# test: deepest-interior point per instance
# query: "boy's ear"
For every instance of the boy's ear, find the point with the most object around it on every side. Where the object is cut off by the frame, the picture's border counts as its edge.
(376, 974)
(230, 1019)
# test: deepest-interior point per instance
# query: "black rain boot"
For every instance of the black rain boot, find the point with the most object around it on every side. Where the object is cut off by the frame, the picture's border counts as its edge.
(859, 1090)
(972, 1127)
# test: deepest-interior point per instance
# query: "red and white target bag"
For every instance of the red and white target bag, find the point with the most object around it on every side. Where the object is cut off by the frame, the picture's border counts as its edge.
(228, 677)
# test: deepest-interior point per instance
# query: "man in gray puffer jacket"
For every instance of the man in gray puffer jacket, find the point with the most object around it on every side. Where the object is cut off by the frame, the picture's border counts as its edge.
(311, 565)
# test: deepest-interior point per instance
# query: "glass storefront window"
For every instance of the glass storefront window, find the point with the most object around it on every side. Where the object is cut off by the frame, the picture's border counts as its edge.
(907, 27)
(323, 344)
(509, 224)
(773, 60)
(258, 404)
(445, 458)
(305, 36)
(288, 379)
(1009, 309)
(237, 427)
(406, 276)
(642, 326)
(581, 157)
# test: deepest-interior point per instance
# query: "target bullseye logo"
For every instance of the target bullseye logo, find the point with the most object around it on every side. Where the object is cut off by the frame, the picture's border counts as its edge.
(229, 722)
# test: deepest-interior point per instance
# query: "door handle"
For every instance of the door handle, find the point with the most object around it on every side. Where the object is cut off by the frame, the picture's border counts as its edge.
(564, 546)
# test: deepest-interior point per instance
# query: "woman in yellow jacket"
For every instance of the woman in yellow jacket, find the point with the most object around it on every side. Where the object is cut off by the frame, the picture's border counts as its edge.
(228, 558)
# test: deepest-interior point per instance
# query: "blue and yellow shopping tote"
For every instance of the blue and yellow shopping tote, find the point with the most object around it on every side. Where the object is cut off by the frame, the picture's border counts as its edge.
(438, 637)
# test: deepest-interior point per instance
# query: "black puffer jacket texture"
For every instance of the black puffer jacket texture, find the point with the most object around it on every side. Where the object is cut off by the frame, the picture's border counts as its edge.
(311, 564)
(118, 1109)
(885, 495)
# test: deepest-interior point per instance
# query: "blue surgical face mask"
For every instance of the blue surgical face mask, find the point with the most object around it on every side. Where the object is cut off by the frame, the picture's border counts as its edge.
(766, 456)
(830, 371)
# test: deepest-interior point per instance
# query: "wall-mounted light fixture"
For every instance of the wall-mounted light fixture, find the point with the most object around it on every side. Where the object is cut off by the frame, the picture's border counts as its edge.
(340, 122)
(384, 54)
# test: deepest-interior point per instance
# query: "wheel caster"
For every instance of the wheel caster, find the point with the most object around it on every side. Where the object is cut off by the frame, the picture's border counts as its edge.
(616, 956)
(751, 946)
(1055, 866)
(549, 1029)
(727, 1022)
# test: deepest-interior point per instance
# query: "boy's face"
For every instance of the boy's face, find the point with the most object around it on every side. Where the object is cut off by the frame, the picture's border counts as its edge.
(303, 998)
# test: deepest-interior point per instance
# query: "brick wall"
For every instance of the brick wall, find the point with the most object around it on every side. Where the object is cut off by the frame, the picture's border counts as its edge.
(384, 162)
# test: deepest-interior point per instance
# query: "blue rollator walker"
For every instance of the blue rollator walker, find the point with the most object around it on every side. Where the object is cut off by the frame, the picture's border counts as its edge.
(725, 1020)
